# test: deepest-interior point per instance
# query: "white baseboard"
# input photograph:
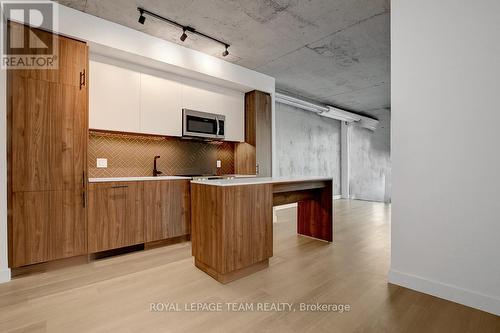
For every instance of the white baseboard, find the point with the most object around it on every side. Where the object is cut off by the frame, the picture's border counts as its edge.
(337, 197)
(4, 275)
(446, 291)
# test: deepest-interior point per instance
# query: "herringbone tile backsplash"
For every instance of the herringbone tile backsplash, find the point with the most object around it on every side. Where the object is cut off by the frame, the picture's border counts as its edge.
(132, 155)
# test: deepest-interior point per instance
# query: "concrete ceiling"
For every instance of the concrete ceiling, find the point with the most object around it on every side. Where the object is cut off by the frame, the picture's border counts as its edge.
(332, 51)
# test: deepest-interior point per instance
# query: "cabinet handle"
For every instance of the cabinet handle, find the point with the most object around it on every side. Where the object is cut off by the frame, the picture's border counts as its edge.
(83, 179)
(119, 186)
(83, 199)
(82, 79)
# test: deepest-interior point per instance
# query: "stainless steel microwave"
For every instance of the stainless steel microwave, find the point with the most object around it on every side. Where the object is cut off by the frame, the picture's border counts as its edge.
(202, 124)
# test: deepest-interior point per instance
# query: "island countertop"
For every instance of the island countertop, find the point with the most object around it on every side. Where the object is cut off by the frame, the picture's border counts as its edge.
(258, 180)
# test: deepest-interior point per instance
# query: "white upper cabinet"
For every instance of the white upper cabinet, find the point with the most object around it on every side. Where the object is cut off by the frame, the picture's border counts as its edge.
(233, 107)
(114, 98)
(206, 97)
(201, 96)
(161, 110)
(125, 100)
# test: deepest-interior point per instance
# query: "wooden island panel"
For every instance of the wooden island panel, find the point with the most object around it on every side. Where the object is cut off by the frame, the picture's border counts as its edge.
(315, 206)
(315, 215)
(231, 229)
(205, 227)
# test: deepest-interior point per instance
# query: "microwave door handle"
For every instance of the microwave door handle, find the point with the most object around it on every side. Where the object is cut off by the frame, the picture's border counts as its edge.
(217, 121)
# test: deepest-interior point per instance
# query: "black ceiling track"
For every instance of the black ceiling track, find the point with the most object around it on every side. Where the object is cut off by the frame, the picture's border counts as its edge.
(184, 28)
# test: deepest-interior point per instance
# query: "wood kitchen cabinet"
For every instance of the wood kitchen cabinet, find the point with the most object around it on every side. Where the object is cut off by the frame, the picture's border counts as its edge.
(72, 58)
(115, 213)
(166, 209)
(254, 156)
(47, 225)
(128, 213)
(49, 135)
(47, 131)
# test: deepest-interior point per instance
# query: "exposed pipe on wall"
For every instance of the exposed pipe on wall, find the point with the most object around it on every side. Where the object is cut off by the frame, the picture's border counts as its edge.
(299, 103)
(327, 111)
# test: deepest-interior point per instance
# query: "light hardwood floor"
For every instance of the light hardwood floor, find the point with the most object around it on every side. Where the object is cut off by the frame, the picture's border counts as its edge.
(114, 294)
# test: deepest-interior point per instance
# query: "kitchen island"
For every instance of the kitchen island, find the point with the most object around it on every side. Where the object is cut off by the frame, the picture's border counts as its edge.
(232, 220)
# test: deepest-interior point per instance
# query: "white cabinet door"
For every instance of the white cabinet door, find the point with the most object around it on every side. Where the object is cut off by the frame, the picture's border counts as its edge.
(210, 98)
(161, 109)
(201, 96)
(113, 98)
(233, 107)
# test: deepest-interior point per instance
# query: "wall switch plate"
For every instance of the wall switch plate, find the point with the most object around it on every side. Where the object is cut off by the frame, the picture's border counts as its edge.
(102, 163)
(219, 163)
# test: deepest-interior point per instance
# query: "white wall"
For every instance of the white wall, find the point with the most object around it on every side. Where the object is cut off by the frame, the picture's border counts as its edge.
(4, 270)
(445, 152)
(114, 40)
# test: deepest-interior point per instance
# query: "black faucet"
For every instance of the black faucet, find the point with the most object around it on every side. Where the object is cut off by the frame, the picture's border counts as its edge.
(156, 172)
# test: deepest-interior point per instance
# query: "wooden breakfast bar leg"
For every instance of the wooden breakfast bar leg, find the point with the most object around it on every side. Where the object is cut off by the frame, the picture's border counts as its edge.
(315, 215)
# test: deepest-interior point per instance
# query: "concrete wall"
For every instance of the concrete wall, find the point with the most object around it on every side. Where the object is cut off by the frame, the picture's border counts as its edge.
(445, 152)
(307, 144)
(370, 160)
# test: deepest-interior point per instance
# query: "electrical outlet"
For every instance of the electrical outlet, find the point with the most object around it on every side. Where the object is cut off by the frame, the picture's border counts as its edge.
(219, 163)
(102, 163)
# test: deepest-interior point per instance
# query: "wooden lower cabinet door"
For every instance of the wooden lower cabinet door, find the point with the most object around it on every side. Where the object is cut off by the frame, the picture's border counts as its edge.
(166, 209)
(47, 225)
(115, 215)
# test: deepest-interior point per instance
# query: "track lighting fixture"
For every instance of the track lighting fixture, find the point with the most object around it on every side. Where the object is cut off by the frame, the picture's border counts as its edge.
(184, 35)
(185, 28)
(226, 52)
(142, 18)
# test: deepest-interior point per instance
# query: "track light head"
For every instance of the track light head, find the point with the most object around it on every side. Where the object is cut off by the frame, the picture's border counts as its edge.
(142, 18)
(226, 52)
(184, 35)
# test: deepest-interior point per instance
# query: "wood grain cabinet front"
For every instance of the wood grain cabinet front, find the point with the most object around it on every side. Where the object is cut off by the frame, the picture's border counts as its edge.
(128, 213)
(254, 155)
(49, 135)
(166, 209)
(115, 215)
(47, 132)
(47, 225)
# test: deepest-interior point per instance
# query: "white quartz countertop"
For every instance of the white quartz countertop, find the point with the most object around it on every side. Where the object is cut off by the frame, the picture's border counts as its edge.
(134, 179)
(258, 180)
(240, 176)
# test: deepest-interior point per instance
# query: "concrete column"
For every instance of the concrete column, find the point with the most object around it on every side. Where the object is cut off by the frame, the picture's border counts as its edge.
(344, 158)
